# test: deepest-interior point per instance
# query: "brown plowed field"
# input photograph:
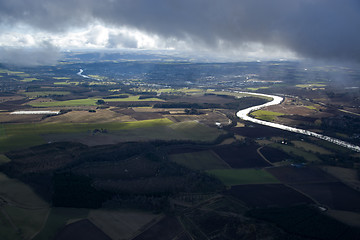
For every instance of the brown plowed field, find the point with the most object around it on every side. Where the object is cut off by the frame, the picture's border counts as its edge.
(265, 195)
(290, 174)
(241, 156)
(258, 131)
(334, 195)
(274, 155)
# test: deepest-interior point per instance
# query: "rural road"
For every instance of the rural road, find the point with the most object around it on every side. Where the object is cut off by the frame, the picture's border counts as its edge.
(243, 114)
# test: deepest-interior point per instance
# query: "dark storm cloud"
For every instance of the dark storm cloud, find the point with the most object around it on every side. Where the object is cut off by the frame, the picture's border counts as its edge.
(45, 54)
(327, 29)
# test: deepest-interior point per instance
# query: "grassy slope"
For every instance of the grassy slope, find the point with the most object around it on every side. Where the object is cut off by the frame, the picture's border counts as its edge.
(231, 177)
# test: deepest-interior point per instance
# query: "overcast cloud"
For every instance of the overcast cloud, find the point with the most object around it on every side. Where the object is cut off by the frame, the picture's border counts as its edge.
(319, 29)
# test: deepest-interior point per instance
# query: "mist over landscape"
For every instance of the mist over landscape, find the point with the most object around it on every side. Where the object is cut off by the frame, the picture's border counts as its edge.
(182, 120)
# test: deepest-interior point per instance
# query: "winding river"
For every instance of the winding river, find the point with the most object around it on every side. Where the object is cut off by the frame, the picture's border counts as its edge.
(244, 115)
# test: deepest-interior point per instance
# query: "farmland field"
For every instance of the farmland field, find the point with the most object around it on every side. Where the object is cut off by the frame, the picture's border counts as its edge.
(133, 99)
(301, 175)
(274, 154)
(202, 160)
(18, 193)
(167, 228)
(121, 224)
(266, 115)
(309, 147)
(307, 156)
(58, 218)
(232, 177)
(241, 156)
(265, 195)
(83, 229)
(26, 135)
(27, 221)
(69, 103)
(308, 222)
(45, 93)
(336, 195)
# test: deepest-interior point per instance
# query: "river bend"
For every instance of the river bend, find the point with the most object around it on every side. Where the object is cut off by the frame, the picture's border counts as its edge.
(244, 115)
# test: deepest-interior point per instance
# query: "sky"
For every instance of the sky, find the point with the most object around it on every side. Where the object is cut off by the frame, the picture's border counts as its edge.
(37, 31)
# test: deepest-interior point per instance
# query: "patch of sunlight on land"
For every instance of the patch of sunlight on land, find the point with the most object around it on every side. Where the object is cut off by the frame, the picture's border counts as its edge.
(29, 79)
(68, 103)
(240, 95)
(98, 77)
(255, 89)
(312, 85)
(266, 115)
(67, 83)
(101, 83)
(4, 159)
(311, 107)
(134, 98)
(19, 194)
(61, 78)
(20, 74)
(232, 177)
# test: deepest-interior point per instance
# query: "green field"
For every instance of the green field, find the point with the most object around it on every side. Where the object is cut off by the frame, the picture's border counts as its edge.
(69, 103)
(19, 193)
(266, 115)
(29, 79)
(311, 107)
(15, 136)
(134, 98)
(311, 85)
(18, 136)
(309, 147)
(196, 131)
(203, 160)
(58, 218)
(67, 83)
(61, 78)
(255, 89)
(45, 93)
(309, 157)
(27, 221)
(232, 177)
